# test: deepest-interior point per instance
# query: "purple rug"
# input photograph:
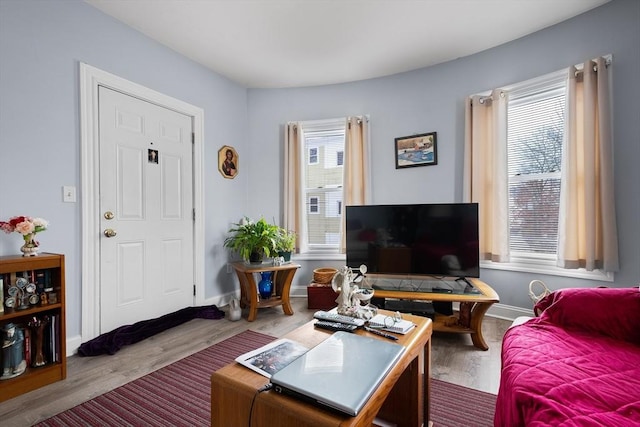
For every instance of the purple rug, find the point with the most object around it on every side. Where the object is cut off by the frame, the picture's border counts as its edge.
(179, 395)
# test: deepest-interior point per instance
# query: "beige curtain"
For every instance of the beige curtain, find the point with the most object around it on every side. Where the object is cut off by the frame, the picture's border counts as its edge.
(485, 171)
(292, 191)
(357, 179)
(587, 231)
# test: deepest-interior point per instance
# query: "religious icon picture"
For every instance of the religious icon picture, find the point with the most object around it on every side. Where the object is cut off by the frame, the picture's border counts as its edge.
(228, 162)
(153, 156)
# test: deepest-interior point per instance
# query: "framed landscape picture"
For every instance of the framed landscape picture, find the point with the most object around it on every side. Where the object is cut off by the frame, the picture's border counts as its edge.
(416, 150)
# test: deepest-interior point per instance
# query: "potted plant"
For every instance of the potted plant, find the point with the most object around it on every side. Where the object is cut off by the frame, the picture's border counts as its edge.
(286, 243)
(253, 240)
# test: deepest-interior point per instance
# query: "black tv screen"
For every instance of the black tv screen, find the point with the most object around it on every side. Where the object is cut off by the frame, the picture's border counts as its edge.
(416, 239)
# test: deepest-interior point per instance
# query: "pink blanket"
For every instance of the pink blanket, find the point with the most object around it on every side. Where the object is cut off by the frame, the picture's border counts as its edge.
(578, 364)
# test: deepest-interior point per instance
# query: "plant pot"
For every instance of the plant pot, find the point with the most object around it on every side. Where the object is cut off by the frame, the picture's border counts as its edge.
(285, 255)
(256, 257)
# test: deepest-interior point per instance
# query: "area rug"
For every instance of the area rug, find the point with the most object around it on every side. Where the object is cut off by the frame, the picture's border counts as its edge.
(179, 395)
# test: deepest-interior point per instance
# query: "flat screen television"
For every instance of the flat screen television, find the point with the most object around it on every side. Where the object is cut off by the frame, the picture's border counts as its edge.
(439, 240)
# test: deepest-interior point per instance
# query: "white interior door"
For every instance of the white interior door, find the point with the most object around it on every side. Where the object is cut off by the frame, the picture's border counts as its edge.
(146, 199)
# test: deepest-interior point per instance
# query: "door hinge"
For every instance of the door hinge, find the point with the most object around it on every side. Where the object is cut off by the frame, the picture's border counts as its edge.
(194, 214)
(193, 138)
(194, 290)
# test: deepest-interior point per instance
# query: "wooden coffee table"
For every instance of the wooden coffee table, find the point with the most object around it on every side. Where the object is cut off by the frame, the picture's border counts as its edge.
(473, 306)
(401, 398)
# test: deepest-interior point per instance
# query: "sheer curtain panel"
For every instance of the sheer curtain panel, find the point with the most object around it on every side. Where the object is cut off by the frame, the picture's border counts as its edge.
(357, 178)
(292, 190)
(485, 171)
(587, 231)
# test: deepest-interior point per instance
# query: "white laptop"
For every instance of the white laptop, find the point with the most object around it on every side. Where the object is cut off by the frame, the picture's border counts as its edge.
(339, 373)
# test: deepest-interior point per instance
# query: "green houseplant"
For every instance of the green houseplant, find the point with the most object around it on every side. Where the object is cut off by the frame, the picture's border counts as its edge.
(253, 240)
(286, 243)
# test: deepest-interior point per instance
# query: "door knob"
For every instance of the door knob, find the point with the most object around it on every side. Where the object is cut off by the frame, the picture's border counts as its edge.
(108, 215)
(109, 232)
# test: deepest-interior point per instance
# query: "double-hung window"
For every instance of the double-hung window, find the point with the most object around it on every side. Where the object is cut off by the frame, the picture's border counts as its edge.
(324, 143)
(535, 127)
(536, 115)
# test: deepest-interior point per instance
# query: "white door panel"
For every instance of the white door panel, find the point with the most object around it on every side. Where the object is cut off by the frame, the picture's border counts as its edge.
(147, 267)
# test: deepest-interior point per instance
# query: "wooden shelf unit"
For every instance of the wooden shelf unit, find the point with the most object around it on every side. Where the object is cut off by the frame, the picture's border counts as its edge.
(36, 377)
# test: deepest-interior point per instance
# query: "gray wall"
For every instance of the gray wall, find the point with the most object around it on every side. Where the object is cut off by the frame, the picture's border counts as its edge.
(41, 46)
(432, 99)
(42, 43)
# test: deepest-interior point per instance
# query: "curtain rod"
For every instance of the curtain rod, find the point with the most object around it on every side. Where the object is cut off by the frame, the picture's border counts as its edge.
(579, 67)
(579, 71)
(359, 118)
(483, 99)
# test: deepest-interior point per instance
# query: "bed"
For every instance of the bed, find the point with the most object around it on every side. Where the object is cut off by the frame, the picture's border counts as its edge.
(577, 364)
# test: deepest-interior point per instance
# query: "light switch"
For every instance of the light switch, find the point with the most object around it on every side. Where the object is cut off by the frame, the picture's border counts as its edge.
(69, 194)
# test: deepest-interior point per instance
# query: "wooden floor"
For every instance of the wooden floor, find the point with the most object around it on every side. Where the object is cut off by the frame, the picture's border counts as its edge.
(454, 359)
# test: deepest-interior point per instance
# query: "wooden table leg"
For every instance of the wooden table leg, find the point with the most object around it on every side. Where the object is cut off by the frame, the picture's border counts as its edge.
(477, 315)
(426, 377)
(252, 290)
(283, 285)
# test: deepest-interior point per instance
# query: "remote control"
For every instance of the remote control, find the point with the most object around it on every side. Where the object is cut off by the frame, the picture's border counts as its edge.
(340, 318)
(335, 326)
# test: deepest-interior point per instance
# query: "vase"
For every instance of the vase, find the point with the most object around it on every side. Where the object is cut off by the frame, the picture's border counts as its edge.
(30, 247)
(37, 326)
(265, 286)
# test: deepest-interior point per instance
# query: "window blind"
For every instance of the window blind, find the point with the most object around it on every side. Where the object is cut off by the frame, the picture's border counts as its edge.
(534, 137)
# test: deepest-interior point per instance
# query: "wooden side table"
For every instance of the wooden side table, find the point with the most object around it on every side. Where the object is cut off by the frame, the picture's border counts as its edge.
(282, 278)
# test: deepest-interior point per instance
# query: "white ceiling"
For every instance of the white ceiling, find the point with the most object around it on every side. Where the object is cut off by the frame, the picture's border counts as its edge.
(292, 43)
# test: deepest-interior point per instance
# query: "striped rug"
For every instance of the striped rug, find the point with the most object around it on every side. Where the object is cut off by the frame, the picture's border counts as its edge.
(179, 395)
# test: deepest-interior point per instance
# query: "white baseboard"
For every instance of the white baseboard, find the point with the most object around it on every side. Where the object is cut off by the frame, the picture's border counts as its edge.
(73, 344)
(508, 312)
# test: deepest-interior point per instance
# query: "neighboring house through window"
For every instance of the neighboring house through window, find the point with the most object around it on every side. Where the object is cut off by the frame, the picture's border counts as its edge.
(323, 174)
(326, 169)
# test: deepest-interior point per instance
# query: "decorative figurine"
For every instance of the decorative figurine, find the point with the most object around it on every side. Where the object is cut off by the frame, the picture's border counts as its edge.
(351, 296)
(13, 363)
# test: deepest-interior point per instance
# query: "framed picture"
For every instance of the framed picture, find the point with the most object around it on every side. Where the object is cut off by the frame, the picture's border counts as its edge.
(416, 150)
(228, 162)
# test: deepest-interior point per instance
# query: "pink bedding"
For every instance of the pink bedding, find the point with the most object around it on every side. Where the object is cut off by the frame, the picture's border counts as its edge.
(578, 364)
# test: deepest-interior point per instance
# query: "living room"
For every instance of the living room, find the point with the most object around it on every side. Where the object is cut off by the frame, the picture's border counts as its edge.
(42, 43)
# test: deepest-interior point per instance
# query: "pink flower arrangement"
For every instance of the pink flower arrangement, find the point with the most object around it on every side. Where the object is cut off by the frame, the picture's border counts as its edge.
(24, 225)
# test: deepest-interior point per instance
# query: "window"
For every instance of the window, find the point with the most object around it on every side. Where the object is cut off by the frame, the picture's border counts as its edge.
(535, 129)
(313, 205)
(323, 173)
(313, 155)
(536, 114)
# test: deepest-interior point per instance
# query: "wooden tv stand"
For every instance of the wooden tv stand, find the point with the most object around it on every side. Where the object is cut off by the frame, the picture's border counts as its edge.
(472, 307)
